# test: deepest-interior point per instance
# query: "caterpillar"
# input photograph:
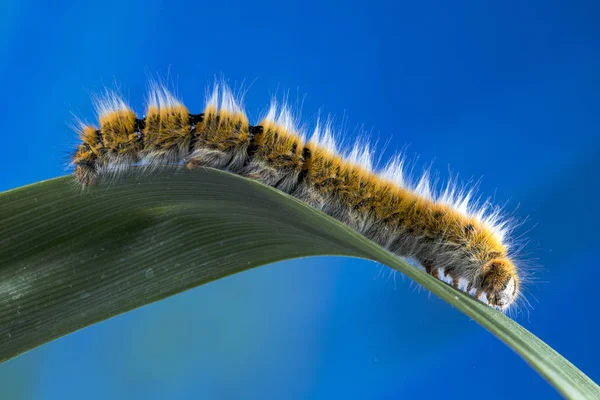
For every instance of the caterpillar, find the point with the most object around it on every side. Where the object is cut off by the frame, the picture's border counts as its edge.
(451, 239)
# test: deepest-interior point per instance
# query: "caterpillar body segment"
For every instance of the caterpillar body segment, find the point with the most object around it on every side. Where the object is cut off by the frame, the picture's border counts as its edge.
(277, 157)
(223, 138)
(449, 238)
(167, 131)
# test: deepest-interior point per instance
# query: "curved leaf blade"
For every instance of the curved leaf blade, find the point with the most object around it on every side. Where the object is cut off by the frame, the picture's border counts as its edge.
(69, 258)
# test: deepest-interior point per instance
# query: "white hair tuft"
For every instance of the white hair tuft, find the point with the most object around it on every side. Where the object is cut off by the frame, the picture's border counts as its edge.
(109, 102)
(160, 97)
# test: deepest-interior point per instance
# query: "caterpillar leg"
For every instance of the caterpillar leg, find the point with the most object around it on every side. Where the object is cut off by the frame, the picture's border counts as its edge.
(431, 269)
(449, 272)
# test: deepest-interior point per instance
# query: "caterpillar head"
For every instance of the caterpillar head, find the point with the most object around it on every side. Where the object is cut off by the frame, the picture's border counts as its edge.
(500, 282)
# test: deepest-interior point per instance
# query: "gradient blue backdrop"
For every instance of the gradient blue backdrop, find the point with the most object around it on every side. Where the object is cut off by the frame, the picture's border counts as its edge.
(505, 91)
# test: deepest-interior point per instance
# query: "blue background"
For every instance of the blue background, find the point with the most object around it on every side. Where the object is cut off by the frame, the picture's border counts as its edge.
(506, 91)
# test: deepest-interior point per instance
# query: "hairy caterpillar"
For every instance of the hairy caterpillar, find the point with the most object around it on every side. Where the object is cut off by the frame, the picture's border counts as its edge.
(450, 239)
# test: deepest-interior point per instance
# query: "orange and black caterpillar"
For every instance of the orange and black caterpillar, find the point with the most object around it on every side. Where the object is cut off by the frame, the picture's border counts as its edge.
(448, 237)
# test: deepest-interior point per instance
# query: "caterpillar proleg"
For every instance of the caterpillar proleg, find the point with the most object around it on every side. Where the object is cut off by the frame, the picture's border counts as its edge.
(450, 237)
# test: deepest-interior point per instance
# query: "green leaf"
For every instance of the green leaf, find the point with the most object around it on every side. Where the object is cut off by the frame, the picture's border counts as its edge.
(70, 258)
